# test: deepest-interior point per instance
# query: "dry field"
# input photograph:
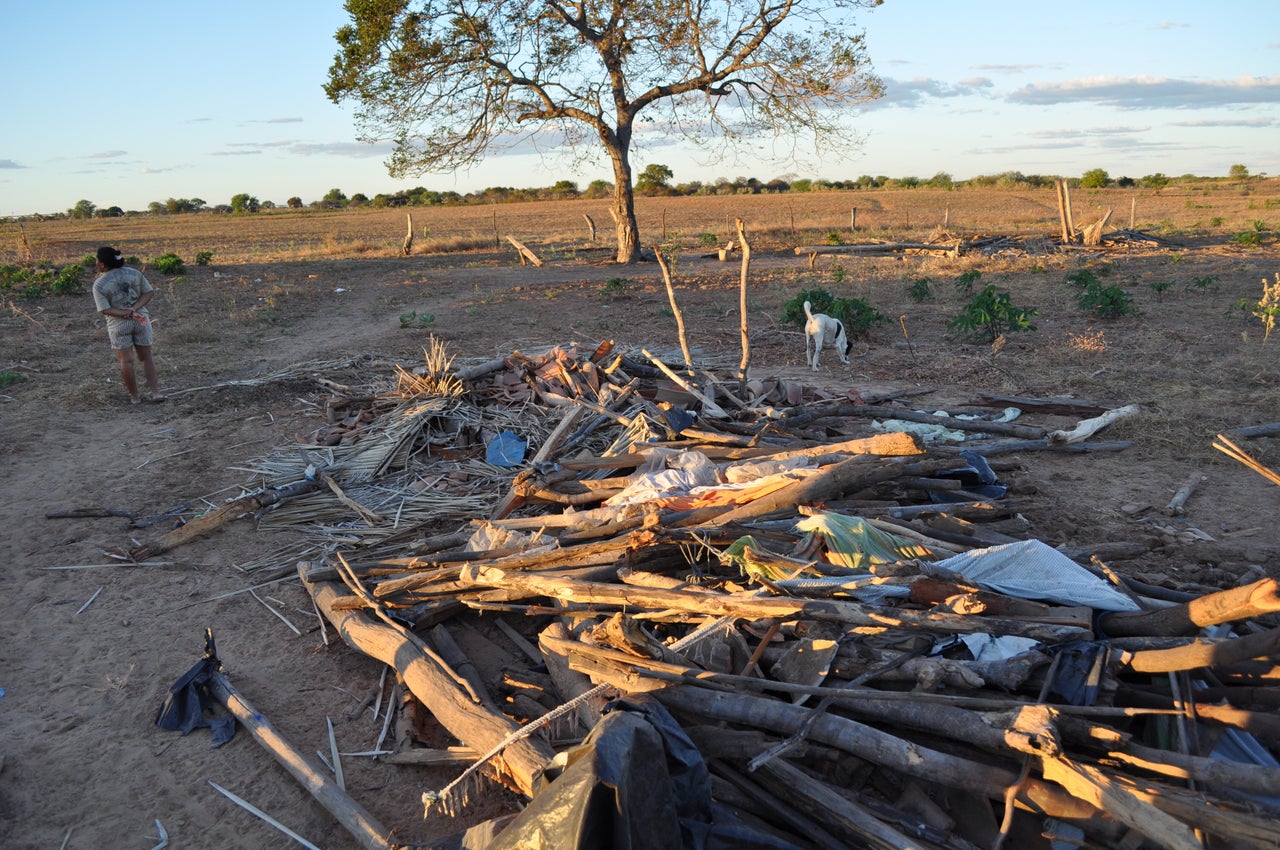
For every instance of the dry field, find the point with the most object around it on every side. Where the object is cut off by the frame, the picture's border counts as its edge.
(81, 764)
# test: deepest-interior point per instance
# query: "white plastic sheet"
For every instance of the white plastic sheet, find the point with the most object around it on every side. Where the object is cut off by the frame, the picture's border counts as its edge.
(1031, 569)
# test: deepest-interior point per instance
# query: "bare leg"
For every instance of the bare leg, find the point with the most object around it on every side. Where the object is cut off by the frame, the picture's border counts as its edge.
(148, 368)
(125, 356)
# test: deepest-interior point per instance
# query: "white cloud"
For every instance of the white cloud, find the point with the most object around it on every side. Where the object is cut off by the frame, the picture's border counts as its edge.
(1151, 92)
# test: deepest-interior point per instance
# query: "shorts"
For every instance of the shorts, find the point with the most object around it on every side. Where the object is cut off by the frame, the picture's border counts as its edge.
(126, 333)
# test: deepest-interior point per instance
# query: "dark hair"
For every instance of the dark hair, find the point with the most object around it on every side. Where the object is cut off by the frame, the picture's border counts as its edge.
(110, 257)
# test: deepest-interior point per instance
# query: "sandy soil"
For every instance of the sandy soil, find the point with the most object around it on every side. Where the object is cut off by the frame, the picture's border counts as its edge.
(88, 649)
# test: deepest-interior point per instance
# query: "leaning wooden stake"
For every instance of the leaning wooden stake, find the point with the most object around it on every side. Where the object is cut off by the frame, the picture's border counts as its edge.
(744, 366)
(675, 308)
(526, 256)
(327, 792)
(407, 247)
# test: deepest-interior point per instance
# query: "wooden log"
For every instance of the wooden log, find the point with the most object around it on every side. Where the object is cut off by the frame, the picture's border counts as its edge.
(1225, 606)
(1095, 787)
(1205, 653)
(526, 256)
(350, 814)
(221, 516)
(840, 816)
(569, 682)
(881, 248)
(1088, 427)
(1012, 429)
(474, 725)
(1058, 406)
(760, 607)
(874, 745)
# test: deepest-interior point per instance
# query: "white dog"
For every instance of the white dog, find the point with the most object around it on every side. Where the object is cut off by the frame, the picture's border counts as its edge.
(820, 328)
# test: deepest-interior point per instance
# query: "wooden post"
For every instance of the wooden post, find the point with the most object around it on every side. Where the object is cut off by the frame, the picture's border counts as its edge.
(1133, 210)
(1060, 187)
(745, 363)
(591, 228)
(407, 246)
(497, 242)
(336, 801)
(853, 219)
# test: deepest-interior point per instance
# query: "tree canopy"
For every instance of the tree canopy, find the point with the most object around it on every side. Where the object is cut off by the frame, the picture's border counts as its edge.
(449, 82)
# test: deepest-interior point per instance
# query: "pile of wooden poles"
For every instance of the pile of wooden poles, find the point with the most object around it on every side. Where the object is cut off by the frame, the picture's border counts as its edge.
(834, 693)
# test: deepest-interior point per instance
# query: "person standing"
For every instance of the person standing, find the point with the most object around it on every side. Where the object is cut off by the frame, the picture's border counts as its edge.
(122, 294)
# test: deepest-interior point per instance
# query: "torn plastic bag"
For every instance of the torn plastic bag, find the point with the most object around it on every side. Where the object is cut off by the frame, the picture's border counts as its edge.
(189, 705)
(977, 477)
(1031, 569)
(636, 783)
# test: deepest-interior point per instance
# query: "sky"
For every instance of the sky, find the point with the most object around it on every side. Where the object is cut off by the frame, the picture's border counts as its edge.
(142, 101)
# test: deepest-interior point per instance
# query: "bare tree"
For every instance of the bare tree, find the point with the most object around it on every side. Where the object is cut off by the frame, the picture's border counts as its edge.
(451, 80)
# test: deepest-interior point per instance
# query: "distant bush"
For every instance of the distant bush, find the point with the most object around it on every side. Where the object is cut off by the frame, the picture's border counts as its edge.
(203, 258)
(858, 316)
(26, 282)
(169, 263)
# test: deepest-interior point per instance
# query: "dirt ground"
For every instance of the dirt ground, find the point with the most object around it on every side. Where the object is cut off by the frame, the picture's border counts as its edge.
(89, 648)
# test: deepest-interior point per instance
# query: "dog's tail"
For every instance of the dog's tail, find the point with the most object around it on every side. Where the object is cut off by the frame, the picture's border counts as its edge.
(848, 343)
(808, 311)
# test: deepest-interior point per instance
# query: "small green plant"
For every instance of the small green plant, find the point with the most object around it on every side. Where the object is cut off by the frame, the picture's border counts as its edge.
(965, 280)
(989, 315)
(834, 237)
(29, 283)
(820, 301)
(1259, 226)
(1247, 239)
(203, 258)
(1208, 283)
(1160, 287)
(706, 240)
(920, 289)
(838, 274)
(68, 281)
(418, 321)
(858, 316)
(1105, 302)
(8, 377)
(168, 263)
(1216, 221)
(616, 287)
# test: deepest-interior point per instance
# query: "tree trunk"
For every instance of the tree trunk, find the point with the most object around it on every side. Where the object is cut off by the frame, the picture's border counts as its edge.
(624, 199)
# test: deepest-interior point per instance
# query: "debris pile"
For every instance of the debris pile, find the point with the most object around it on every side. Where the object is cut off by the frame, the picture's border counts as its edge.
(813, 624)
